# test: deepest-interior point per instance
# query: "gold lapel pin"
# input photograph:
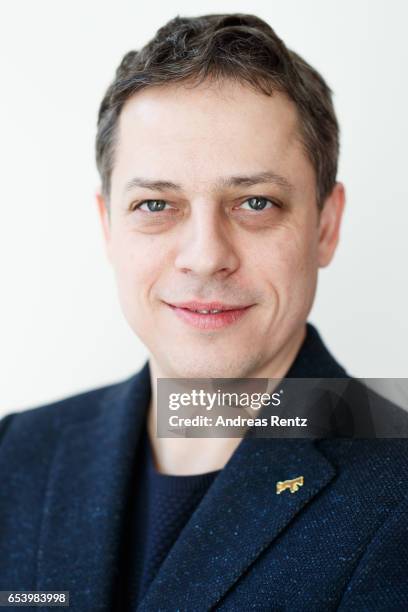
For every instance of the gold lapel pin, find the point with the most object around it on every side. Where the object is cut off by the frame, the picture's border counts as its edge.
(293, 485)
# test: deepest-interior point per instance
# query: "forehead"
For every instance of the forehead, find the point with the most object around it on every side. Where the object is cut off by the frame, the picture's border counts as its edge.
(194, 134)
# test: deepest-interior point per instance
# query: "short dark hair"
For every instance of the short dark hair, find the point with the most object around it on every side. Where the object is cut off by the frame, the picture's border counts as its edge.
(234, 46)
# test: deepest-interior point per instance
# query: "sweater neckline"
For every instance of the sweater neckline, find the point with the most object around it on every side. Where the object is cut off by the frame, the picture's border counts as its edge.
(175, 481)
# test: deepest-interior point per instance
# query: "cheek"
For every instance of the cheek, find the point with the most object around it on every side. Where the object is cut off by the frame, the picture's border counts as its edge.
(137, 265)
(287, 262)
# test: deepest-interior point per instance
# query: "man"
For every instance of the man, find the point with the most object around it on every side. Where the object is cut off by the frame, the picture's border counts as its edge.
(217, 148)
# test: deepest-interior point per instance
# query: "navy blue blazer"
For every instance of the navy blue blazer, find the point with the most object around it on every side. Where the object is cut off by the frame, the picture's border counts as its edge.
(339, 543)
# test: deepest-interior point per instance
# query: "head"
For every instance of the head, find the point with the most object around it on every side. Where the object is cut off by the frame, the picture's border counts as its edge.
(217, 149)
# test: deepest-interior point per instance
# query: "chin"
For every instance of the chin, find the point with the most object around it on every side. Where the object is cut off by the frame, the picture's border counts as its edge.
(210, 368)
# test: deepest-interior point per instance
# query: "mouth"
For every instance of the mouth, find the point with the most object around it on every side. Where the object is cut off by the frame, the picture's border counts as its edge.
(209, 315)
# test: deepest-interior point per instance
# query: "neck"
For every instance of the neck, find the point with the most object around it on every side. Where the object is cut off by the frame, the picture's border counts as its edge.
(186, 456)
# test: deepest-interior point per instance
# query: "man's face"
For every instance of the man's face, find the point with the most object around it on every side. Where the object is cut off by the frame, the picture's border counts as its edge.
(232, 219)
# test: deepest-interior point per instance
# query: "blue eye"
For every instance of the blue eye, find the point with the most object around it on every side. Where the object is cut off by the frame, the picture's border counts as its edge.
(258, 203)
(153, 205)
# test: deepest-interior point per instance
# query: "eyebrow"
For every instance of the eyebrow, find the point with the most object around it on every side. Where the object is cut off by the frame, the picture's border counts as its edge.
(230, 181)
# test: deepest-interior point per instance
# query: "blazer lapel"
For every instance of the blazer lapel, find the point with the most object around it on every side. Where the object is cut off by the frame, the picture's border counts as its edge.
(241, 512)
(86, 498)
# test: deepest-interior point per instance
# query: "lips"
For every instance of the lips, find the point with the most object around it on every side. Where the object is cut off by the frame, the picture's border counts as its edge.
(209, 315)
(207, 306)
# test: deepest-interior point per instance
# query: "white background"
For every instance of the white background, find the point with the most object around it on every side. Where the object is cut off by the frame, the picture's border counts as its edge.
(61, 328)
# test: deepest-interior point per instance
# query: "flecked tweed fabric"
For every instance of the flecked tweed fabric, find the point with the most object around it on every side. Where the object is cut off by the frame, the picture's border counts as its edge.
(159, 508)
(161, 505)
(339, 543)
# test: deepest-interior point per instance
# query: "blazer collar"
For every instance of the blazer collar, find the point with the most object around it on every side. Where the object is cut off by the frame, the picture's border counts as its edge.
(314, 360)
(90, 480)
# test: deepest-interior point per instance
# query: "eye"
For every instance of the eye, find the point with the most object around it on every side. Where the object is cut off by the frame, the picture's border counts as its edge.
(258, 203)
(152, 205)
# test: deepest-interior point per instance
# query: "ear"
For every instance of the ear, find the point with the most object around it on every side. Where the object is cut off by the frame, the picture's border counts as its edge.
(329, 224)
(105, 221)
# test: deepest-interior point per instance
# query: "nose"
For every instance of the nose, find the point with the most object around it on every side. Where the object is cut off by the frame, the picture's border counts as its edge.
(206, 247)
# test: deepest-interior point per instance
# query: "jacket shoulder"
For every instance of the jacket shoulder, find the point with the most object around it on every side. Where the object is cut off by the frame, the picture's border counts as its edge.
(52, 416)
